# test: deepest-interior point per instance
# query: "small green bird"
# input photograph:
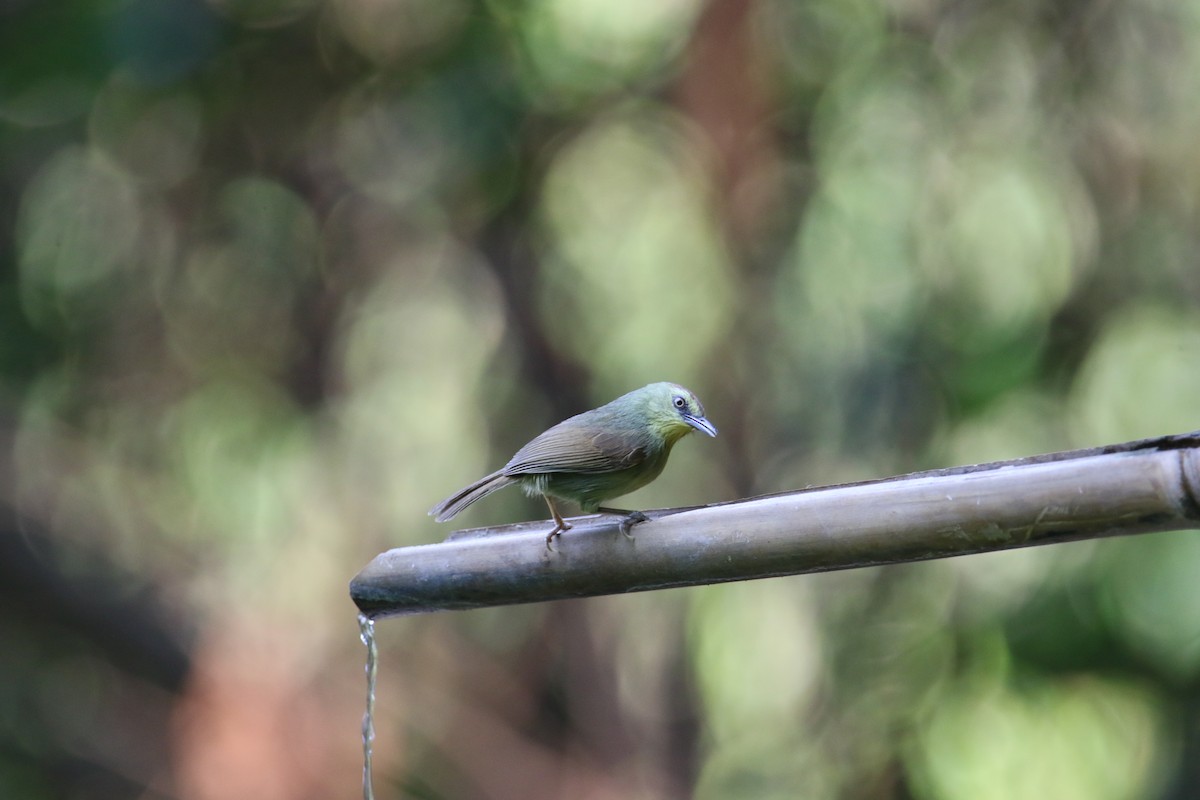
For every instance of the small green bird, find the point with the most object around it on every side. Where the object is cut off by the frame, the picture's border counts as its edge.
(599, 454)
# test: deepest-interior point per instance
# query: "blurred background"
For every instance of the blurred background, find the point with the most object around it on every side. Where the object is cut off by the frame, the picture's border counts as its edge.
(278, 275)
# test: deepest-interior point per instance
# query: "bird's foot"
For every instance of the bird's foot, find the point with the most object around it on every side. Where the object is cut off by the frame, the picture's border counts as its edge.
(631, 518)
(559, 527)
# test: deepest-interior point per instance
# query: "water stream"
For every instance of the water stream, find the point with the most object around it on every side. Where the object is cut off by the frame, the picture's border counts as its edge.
(366, 627)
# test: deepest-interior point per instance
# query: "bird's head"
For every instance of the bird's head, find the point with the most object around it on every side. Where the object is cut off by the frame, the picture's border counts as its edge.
(674, 411)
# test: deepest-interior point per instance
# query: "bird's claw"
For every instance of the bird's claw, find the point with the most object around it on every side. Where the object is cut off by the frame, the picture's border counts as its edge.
(558, 531)
(631, 519)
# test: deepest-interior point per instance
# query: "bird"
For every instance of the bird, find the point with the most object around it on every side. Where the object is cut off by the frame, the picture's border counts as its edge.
(595, 456)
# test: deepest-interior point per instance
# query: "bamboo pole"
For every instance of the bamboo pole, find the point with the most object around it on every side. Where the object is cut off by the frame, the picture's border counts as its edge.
(1118, 490)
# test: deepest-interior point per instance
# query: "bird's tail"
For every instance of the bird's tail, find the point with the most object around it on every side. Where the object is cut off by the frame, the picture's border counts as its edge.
(456, 502)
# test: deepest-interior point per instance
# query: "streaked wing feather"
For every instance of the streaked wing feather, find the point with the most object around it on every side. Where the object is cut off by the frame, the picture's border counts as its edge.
(578, 448)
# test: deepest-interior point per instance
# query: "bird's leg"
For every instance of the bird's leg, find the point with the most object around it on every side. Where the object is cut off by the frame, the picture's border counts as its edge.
(631, 518)
(560, 524)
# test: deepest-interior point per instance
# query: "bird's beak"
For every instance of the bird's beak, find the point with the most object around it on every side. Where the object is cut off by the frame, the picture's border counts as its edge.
(700, 424)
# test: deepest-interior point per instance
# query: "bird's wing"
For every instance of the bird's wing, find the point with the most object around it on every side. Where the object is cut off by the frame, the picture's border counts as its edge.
(579, 448)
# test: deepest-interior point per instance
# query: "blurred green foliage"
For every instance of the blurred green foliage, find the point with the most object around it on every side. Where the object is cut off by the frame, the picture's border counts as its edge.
(279, 274)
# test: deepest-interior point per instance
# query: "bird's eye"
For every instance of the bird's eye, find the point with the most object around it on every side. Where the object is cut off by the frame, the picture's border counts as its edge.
(680, 403)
